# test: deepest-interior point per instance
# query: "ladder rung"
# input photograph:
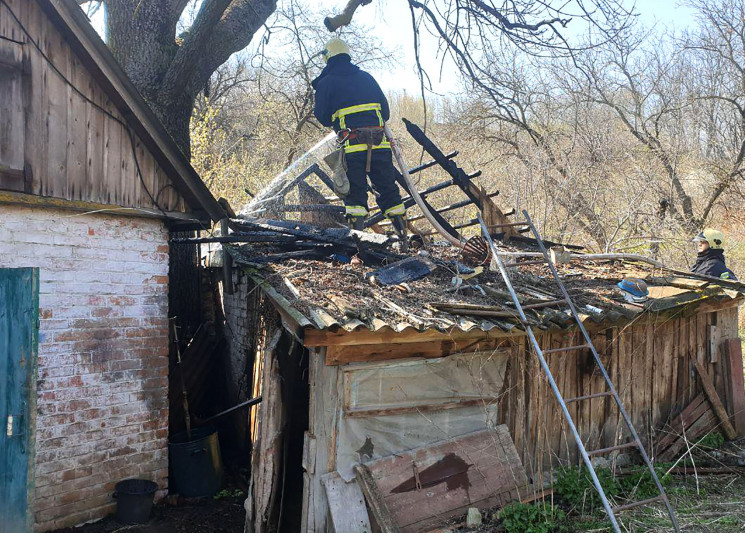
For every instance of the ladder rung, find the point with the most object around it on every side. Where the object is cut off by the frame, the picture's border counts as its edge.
(566, 349)
(589, 396)
(603, 451)
(640, 503)
(508, 225)
(545, 304)
(525, 263)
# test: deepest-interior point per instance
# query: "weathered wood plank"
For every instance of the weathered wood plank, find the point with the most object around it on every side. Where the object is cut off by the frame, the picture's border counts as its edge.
(715, 401)
(676, 428)
(314, 337)
(705, 423)
(342, 354)
(426, 486)
(94, 167)
(346, 504)
(59, 95)
(735, 388)
(77, 138)
(375, 500)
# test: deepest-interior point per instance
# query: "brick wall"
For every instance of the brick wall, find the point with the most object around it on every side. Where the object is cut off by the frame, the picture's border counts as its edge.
(102, 412)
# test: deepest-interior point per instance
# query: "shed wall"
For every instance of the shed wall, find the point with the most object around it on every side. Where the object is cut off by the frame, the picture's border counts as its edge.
(650, 362)
(103, 355)
(57, 143)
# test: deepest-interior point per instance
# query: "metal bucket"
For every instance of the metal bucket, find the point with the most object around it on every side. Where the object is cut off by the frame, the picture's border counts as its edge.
(196, 463)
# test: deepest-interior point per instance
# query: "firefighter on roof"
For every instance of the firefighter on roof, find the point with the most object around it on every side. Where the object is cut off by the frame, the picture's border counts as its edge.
(710, 260)
(351, 101)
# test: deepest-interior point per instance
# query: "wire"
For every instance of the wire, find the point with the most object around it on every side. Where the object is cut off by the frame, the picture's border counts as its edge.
(85, 97)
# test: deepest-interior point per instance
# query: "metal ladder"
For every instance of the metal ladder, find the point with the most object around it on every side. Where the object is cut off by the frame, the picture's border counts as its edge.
(635, 442)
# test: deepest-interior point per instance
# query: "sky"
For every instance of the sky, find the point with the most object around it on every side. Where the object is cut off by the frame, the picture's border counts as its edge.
(391, 21)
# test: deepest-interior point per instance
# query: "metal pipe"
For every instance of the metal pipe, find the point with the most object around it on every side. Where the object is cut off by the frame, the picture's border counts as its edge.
(252, 401)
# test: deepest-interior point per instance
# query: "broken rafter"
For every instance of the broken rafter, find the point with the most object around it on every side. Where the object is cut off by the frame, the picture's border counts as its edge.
(459, 175)
(451, 207)
(408, 201)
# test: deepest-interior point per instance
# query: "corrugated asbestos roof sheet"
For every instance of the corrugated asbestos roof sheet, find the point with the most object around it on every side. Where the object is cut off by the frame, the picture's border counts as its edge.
(333, 296)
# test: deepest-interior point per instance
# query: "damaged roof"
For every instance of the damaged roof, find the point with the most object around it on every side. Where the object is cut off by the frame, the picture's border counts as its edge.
(336, 296)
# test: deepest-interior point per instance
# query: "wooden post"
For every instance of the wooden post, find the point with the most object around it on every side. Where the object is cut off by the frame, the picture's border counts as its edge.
(716, 403)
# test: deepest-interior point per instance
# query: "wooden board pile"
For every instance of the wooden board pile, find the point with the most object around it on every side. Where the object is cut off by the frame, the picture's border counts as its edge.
(706, 413)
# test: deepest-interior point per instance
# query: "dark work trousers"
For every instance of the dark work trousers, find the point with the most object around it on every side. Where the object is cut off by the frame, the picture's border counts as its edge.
(381, 175)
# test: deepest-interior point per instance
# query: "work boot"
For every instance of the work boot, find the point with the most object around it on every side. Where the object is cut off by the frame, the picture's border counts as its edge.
(399, 226)
(356, 223)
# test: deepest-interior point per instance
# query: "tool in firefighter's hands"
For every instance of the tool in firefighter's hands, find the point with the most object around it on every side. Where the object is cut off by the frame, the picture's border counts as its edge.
(337, 162)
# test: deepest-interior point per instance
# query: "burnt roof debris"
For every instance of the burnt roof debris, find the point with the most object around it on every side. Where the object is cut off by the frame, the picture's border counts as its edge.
(330, 277)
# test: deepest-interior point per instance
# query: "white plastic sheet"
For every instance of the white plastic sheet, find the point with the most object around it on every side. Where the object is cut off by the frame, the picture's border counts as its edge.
(427, 392)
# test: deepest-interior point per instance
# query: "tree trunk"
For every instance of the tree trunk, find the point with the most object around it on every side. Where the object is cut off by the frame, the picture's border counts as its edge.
(170, 70)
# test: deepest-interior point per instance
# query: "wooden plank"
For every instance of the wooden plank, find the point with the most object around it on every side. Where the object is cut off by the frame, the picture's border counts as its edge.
(314, 337)
(688, 416)
(267, 451)
(35, 86)
(716, 403)
(94, 168)
(736, 388)
(346, 504)
(338, 355)
(714, 341)
(12, 136)
(375, 500)
(33, 200)
(425, 486)
(322, 429)
(77, 138)
(393, 410)
(705, 423)
(58, 99)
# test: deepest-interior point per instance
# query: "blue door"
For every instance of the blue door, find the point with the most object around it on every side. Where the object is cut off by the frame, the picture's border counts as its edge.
(19, 318)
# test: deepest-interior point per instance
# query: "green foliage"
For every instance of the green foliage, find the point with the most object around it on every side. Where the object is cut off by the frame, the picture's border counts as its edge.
(575, 488)
(225, 494)
(711, 441)
(639, 484)
(532, 518)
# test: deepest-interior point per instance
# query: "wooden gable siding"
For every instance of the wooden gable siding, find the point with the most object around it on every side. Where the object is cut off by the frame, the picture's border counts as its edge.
(73, 150)
(650, 364)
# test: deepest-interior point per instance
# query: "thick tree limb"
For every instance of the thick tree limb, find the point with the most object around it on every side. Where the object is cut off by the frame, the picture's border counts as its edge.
(234, 32)
(345, 17)
(183, 64)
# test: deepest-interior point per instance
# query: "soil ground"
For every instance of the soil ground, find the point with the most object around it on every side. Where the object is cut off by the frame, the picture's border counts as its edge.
(206, 515)
(709, 504)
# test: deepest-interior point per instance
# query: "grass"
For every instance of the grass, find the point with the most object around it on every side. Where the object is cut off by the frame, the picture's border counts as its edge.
(716, 504)
(709, 504)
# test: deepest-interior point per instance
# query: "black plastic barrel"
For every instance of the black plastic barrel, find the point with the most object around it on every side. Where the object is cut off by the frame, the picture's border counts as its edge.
(196, 463)
(134, 500)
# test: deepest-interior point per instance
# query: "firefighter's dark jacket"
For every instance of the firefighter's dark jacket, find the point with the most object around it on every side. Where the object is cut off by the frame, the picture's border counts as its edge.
(342, 84)
(711, 263)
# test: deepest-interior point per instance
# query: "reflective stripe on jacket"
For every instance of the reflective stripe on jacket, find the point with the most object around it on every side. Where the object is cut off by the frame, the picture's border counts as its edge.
(342, 85)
